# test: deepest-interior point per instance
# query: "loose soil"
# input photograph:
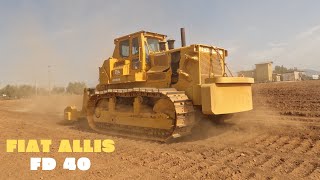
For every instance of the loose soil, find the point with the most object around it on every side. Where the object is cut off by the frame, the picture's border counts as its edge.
(279, 139)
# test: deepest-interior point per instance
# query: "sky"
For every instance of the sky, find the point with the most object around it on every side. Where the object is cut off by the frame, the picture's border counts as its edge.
(74, 37)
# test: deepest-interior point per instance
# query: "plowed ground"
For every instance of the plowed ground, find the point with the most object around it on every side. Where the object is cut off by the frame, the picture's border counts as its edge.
(279, 139)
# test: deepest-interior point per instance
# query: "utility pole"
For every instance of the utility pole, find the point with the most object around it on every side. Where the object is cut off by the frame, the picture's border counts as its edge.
(49, 79)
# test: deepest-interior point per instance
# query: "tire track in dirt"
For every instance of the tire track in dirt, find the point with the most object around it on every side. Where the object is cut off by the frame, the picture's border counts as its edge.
(202, 161)
(304, 169)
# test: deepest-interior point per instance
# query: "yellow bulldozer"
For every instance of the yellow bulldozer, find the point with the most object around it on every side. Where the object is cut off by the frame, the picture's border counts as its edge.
(150, 90)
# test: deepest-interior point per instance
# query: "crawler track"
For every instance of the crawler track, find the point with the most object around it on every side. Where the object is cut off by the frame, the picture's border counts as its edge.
(181, 125)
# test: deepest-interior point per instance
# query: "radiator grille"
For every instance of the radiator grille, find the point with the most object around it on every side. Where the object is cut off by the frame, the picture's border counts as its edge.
(205, 66)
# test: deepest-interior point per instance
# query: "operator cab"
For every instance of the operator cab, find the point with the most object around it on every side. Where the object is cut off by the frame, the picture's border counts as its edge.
(136, 48)
(137, 57)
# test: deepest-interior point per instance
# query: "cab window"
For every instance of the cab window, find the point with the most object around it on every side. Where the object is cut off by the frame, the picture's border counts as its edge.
(147, 54)
(124, 48)
(135, 46)
(153, 44)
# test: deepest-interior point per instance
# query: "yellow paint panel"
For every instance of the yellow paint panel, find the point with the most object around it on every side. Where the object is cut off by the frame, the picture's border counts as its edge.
(225, 98)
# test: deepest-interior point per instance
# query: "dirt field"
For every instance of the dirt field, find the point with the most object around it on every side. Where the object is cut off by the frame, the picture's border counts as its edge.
(279, 139)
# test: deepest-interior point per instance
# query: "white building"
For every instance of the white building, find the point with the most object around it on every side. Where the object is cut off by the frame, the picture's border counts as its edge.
(293, 76)
(315, 76)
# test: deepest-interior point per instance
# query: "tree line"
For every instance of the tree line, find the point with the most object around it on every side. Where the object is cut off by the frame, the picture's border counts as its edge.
(22, 91)
(282, 69)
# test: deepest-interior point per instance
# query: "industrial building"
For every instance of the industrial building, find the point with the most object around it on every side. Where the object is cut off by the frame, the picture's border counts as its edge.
(315, 77)
(249, 73)
(263, 72)
(293, 76)
(276, 77)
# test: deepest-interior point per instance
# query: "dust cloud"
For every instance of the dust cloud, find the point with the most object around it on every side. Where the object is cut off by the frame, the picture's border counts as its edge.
(50, 105)
(239, 126)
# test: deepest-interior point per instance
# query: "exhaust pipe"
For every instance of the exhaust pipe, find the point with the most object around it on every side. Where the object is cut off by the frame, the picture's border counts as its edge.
(171, 43)
(162, 45)
(183, 37)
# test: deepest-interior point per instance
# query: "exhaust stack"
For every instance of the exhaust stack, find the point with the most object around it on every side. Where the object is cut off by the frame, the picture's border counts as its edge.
(171, 44)
(183, 37)
(162, 45)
